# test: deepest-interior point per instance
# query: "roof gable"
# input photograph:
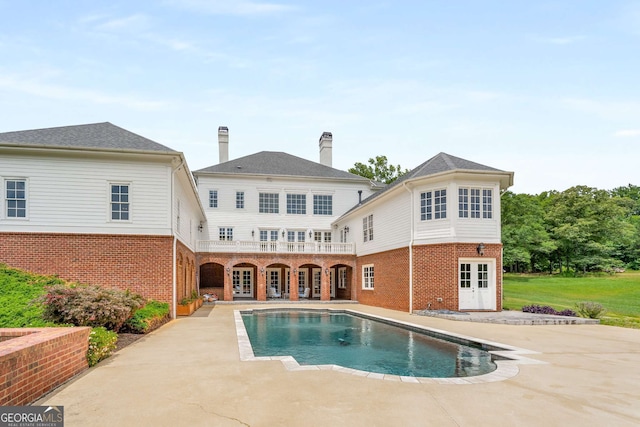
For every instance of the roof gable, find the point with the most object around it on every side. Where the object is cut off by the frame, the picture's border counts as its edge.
(280, 164)
(104, 136)
(440, 163)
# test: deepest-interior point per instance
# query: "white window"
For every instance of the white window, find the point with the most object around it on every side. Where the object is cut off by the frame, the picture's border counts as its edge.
(487, 203)
(322, 204)
(465, 275)
(269, 202)
(433, 205)
(483, 275)
(367, 228)
(367, 276)
(225, 233)
(239, 199)
(120, 203)
(475, 203)
(15, 198)
(268, 240)
(213, 198)
(297, 204)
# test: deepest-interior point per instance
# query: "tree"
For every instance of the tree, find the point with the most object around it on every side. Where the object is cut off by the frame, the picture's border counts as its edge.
(527, 244)
(587, 225)
(379, 170)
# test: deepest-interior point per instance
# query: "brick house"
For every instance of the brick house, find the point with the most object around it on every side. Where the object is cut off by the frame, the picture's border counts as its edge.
(98, 204)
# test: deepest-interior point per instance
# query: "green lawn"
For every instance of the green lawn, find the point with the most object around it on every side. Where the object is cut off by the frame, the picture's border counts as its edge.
(619, 294)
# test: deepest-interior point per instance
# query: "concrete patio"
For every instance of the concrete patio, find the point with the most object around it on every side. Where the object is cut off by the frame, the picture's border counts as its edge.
(189, 373)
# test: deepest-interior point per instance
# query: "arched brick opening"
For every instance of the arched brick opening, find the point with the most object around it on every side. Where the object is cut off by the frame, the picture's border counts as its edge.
(212, 279)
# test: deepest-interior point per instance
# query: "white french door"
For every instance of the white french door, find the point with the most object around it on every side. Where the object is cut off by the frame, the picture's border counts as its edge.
(242, 280)
(273, 278)
(476, 284)
(317, 283)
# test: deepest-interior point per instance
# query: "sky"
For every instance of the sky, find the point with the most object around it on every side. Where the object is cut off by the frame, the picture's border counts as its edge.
(547, 89)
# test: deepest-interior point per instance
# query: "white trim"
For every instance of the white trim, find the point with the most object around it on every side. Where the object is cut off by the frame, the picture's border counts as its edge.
(3, 199)
(368, 285)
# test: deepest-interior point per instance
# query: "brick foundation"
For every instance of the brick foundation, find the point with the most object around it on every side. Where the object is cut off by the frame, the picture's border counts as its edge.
(34, 361)
(141, 264)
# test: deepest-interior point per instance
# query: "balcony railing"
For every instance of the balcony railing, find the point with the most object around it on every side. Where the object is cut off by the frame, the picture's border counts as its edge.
(241, 246)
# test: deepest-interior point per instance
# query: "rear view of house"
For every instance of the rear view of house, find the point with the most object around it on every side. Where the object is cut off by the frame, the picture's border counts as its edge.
(98, 204)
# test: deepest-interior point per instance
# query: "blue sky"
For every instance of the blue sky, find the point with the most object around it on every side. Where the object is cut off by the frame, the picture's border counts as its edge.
(547, 89)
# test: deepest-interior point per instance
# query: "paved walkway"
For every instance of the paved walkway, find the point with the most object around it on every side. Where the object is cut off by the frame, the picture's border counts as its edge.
(189, 373)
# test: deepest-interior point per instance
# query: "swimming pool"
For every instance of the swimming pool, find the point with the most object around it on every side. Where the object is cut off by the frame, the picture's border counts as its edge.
(363, 343)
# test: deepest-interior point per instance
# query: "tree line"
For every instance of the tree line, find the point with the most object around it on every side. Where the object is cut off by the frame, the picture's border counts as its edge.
(580, 229)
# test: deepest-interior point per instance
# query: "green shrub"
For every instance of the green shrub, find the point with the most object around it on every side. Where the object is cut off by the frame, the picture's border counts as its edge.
(101, 344)
(148, 318)
(94, 306)
(590, 310)
(17, 289)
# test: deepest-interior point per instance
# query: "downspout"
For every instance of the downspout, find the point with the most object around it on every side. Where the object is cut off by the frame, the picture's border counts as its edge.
(404, 184)
(174, 297)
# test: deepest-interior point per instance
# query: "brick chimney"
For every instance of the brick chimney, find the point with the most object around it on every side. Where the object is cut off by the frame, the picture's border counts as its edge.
(223, 144)
(326, 144)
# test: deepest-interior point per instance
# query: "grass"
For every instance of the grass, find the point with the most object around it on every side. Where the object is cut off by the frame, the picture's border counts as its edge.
(619, 294)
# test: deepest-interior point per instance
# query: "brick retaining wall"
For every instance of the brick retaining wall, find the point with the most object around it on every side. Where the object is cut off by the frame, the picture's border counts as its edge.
(34, 361)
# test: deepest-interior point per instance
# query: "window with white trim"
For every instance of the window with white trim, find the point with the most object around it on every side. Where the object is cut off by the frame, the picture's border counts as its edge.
(225, 233)
(120, 203)
(483, 275)
(475, 203)
(213, 198)
(367, 228)
(15, 198)
(465, 275)
(269, 202)
(297, 204)
(487, 203)
(433, 205)
(239, 199)
(322, 204)
(367, 276)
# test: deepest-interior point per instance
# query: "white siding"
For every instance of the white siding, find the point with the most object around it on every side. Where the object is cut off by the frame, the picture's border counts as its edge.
(392, 218)
(72, 194)
(190, 213)
(243, 221)
(391, 224)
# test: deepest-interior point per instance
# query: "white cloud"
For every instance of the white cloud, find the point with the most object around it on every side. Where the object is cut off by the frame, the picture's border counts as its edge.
(236, 7)
(627, 132)
(52, 91)
(133, 23)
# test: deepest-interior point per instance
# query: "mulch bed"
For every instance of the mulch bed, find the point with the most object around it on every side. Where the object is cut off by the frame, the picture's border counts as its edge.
(125, 339)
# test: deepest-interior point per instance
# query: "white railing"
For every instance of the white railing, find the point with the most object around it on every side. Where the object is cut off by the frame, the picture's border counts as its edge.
(243, 246)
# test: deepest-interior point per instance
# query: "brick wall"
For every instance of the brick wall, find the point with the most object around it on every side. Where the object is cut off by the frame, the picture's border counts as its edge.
(142, 264)
(391, 280)
(37, 360)
(435, 275)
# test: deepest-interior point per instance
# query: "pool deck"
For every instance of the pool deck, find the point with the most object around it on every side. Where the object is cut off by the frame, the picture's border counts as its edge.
(189, 373)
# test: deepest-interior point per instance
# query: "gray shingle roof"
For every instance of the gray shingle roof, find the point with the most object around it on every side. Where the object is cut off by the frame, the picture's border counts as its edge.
(92, 136)
(278, 163)
(441, 162)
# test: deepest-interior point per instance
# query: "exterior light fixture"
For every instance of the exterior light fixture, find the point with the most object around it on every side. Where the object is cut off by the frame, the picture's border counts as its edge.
(282, 233)
(253, 233)
(346, 229)
(480, 249)
(295, 270)
(200, 226)
(326, 271)
(310, 234)
(262, 270)
(228, 270)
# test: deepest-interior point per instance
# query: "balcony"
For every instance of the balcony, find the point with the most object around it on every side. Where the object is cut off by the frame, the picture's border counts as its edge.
(239, 246)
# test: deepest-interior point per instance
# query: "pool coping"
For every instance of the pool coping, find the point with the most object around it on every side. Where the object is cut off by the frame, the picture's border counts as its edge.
(506, 357)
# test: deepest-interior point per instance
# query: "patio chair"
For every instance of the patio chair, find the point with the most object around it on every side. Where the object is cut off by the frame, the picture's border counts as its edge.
(306, 293)
(273, 293)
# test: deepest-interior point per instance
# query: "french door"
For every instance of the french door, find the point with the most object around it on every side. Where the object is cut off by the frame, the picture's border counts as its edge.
(476, 284)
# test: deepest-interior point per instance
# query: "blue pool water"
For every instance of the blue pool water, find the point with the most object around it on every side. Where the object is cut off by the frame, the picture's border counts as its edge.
(321, 338)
